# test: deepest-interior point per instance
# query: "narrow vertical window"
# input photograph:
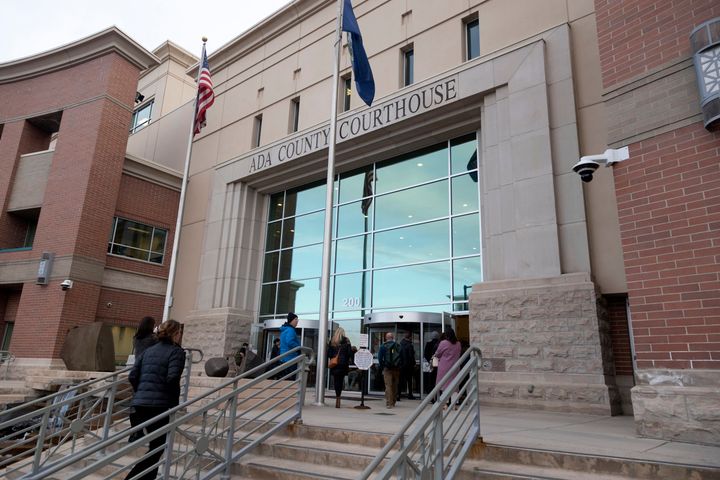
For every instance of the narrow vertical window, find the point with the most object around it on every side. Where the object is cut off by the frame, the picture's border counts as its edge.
(346, 92)
(472, 39)
(408, 67)
(294, 114)
(257, 131)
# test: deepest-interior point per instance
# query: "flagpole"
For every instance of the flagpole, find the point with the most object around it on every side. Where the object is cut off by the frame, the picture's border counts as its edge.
(327, 239)
(181, 206)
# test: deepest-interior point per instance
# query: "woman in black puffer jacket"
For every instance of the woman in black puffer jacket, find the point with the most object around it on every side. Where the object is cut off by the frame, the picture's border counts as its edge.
(155, 378)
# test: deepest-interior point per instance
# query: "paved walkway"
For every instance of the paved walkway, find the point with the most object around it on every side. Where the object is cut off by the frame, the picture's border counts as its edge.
(567, 432)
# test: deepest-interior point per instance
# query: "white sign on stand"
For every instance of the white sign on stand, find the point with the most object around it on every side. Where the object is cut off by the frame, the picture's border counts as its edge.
(363, 359)
(363, 340)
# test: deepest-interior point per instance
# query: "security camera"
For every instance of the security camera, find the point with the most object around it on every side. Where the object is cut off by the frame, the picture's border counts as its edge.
(588, 164)
(66, 284)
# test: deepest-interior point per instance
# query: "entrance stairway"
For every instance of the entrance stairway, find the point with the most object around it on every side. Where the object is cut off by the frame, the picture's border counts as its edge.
(330, 445)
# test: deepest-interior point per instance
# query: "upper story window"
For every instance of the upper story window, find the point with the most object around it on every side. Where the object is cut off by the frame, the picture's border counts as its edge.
(408, 66)
(137, 240)
(294, 115)
(257, 131)
(141, 117)
(346, 83)
(472, 39)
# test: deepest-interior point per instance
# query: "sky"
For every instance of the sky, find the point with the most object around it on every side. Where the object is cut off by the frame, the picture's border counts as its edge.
(28, 27)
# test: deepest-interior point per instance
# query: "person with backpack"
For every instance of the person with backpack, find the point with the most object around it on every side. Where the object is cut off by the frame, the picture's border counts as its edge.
(407, 366)
(341, 348)
(389, 363)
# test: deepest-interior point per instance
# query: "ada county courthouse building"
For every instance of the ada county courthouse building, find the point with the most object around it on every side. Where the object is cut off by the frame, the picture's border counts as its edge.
(455, 202)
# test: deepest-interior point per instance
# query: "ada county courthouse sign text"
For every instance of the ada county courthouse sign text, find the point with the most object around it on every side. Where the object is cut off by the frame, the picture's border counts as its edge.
(386, 113)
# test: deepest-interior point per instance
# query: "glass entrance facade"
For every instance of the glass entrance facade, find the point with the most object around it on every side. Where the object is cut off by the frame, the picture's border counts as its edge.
(406, 237)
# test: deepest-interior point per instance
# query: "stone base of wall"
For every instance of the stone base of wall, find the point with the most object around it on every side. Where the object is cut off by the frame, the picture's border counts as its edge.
(21, 367)
(218, 332)
(545, 345)
(681, 405)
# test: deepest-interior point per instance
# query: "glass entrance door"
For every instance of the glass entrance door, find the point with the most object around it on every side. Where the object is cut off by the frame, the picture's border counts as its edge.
(419, 326)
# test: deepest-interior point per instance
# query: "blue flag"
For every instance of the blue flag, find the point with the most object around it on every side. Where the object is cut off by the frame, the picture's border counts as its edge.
(364, 80)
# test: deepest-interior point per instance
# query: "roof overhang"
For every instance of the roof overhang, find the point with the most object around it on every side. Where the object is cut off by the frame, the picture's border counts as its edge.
(110, 40)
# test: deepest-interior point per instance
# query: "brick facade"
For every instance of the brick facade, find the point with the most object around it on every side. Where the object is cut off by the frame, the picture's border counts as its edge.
(668, 198)
(637, 36)
(90, 103)
(153, 205)
(669, 206)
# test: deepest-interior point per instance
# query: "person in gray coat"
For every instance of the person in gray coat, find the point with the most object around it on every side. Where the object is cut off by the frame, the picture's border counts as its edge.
(155, 378)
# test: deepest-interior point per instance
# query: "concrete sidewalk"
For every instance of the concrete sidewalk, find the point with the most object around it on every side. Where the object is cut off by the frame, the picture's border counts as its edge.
(565, 432)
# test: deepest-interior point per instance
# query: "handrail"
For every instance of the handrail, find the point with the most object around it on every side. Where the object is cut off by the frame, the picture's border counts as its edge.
(437, 445)
(207, 434)
(40, 436)
(6, 358)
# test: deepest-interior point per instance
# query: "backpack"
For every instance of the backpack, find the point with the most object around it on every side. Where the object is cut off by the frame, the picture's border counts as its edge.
(391, 358)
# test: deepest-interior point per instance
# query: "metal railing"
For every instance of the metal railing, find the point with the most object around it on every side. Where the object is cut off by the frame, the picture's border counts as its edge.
(441, 436)
(6, 358)
(201, 438)
(40, 433)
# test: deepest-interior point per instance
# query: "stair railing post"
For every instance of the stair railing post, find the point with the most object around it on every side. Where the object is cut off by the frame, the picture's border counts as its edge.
(109, 408)
(169, 445)
(230, 433)
(302, 379)
(439, 445)
(478, 365)
(40, 441)
(188, 369)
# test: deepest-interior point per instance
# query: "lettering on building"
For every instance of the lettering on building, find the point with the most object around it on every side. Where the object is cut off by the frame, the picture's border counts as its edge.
(386, 113)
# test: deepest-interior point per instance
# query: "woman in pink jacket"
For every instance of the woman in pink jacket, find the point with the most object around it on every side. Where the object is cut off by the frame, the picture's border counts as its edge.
(448, 352)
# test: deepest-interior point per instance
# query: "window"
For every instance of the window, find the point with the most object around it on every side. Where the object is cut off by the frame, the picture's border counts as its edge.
(257, 131)
(408, 76)
(294, 114)
(141, 117)
(406, 235)
(137, 240)
(346, 92)
(472, 39)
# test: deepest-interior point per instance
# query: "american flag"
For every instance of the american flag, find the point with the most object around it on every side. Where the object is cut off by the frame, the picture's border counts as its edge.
(205, 95)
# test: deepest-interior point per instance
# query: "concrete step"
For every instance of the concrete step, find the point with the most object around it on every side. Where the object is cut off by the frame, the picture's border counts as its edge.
(490, 459)
(258, 467)
(486, 470)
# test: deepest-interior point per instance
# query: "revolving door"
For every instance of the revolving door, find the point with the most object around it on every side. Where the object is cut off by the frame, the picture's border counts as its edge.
(420, 326)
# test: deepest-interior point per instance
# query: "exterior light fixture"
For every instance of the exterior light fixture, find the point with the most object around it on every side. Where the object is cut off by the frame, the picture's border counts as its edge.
(705, 44)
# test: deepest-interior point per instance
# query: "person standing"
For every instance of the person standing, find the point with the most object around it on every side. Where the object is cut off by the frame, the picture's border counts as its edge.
(448, 353)
(275, 349)
(340, 347)
(407, 366)
(389, 364)
(430, 349)
(144, 338)
(288, 340)
(155, 378)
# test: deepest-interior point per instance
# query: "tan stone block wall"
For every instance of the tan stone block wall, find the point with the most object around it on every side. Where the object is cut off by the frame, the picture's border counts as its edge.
(545, 343)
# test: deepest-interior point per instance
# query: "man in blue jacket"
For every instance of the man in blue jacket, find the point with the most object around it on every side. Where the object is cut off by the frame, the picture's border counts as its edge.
(288, 340)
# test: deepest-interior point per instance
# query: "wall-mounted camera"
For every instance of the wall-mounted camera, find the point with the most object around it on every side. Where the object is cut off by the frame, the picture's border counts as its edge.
(66, 284)
(588, 164)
